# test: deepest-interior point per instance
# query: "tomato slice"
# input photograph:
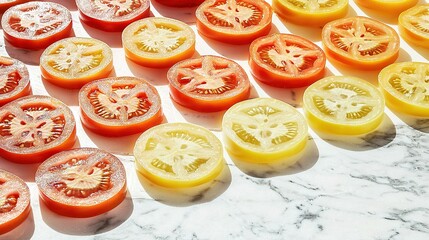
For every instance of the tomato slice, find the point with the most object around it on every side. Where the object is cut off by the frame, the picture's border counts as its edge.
(180, 3)
(82, 182)
(14, 201)
(14, 80)
(112, 15)
(5, 4)
(361, 42)
(413, 25)
(264, 130)
(179, 155)
(158, 42)
(405, 87)
(120, 106)
(75, 61)
(311, 12)
(285, 60)
(387, 6)
(208, 83)
(234, 21)
(33, 128)
(36, 25)
(343, 105)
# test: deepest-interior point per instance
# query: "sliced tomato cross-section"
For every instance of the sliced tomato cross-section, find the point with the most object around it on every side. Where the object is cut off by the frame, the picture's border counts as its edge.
(120, 106)
(405, 87)
(179, 155)
(285, 60)
(180, 3)
(33, 128)
(82, 182)
(361, 42)
(75, 61)
(311, 12)
(343, 105)
(413, 25)
(264, 130)
(36, 25)
(208, 83)
(234, 21)
(14, 201)
(112, 15)
(5, 4)
(14, 80)
(391, 7)
(158, 42)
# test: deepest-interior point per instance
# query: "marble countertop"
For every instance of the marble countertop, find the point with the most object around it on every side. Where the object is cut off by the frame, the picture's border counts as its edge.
(370, 187)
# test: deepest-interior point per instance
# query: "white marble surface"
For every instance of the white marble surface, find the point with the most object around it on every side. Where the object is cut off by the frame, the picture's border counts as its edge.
(372, 187)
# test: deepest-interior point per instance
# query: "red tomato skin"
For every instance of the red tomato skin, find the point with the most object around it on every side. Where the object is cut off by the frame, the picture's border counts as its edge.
(178, 3)
(111, 26)
(8, 226)
(5, 6)
(84, 211)
(39, 43)
(25, 92)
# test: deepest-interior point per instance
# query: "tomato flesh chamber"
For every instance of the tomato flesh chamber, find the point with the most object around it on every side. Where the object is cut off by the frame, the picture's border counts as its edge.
(9, 81)
(159, 38)
(34, 21)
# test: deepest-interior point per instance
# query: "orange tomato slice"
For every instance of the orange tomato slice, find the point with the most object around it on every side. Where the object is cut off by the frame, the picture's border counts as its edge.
(413, 25)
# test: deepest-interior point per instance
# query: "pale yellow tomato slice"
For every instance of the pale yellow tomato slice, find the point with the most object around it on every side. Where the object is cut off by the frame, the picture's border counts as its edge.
(311, 12)
(343, 105)
(413, 25)
(406, 87)
(387, 6)
(179, 155)
(264, 130)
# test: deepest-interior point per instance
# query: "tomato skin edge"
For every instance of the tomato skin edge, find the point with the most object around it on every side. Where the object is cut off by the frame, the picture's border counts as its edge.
(389, 9)
(39, 156)
(6, 6)
(25, 92)
(12, 224)
(39, 43)
(85, 211)
(412, 38)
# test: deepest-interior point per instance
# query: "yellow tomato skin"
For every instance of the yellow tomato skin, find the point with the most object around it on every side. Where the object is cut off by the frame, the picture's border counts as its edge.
(324, 123)
(387, 6)
(409, 31)
(288, 153)
(310, 17)
(398, 101)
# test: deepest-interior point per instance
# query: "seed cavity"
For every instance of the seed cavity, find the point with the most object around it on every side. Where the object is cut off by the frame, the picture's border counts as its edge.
(312, 5)
(9, 81)
(116, 8)
(159, 39)
(8, 202)
(233, 14)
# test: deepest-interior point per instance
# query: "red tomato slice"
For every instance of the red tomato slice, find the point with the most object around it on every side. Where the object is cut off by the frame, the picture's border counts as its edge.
(361, 42)
(82, 182)
(208, 83)
(5, 4)
(285, 60)
(14, 201)
(234, 21)
(14, 80)
(112, 15)
(36, 25)
(33, 128)
(120, 106)
(180, 3)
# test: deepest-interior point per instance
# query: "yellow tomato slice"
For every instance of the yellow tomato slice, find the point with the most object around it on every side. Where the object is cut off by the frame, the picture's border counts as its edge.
(387, 6)
(158, 42)
(343, 105)
(406, 87)
(179, 155)
(311, 12)
(413, 25)
(264, 130)
(75, 61)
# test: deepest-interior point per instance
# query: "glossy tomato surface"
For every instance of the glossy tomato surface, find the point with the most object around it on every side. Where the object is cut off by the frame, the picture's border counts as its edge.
(413, 25)
(82, 182)
(387, 6)
(112, 15)
(343, 105)
(180, 3)
(14, 201)
(158, 42)
(234, 21)
(286, 60)
(14, 80)
(264, 130)
(405, 87)
(120, 106)
(311, 13)
(35, 127)
(360, 42)
(179, 155)
(36, 25)
(75, 61)
(208, 83)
